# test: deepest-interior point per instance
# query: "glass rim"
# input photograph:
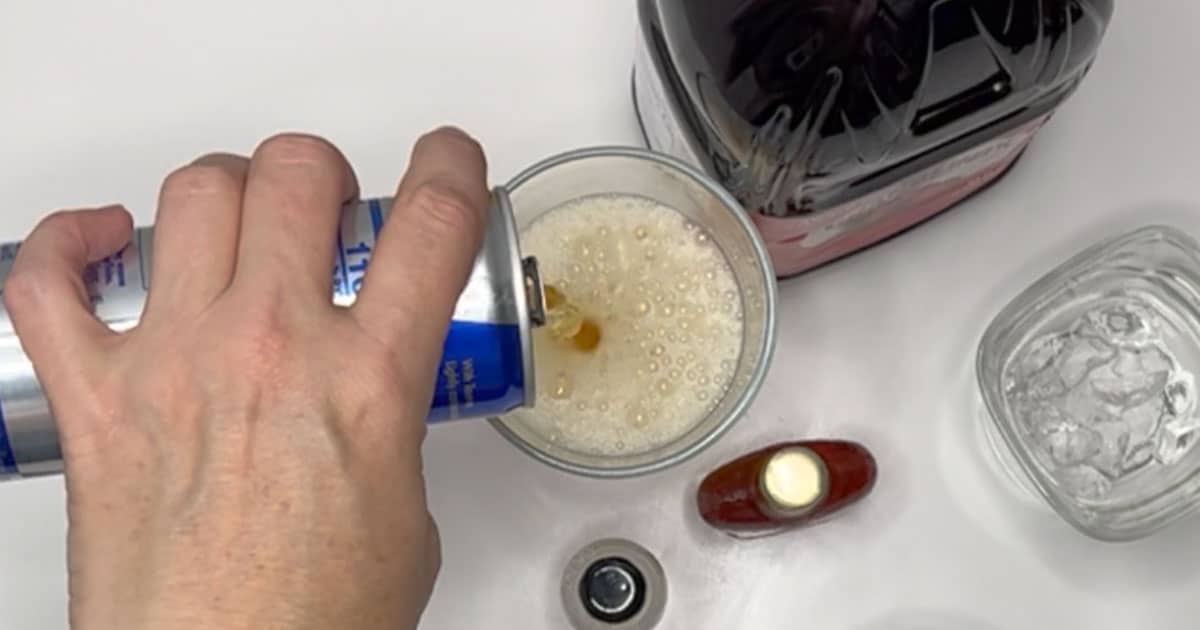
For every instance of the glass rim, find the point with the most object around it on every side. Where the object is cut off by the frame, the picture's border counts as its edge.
(767, 348)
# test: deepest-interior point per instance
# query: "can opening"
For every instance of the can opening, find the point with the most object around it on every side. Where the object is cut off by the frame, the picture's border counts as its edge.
(534, 291)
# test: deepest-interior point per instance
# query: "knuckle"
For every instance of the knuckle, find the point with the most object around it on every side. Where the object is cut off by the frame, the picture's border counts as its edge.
(200, 180)
(27, 283)
(23, 287)
(300, 149)
(60, 223)
(445, 210)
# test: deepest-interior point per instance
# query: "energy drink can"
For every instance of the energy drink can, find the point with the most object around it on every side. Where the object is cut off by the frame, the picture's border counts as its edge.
(487, 358)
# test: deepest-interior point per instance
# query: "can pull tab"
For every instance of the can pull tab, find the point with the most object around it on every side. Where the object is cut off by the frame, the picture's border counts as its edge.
(534, 291)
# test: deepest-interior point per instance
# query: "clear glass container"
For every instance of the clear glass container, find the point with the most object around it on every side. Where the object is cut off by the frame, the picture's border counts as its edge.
(1089, 379)
(637, 172)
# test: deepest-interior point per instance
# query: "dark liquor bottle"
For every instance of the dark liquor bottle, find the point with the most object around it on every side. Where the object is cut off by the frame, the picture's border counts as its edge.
(839, 123)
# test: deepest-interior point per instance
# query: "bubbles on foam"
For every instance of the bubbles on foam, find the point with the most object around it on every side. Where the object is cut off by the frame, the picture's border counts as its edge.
(658, 284)
(562, 386)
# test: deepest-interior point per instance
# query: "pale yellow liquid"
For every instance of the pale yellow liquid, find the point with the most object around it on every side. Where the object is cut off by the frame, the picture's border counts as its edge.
(670, 313)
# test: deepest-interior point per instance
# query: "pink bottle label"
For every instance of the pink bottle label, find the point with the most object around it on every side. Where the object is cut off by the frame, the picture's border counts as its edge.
(797, 244)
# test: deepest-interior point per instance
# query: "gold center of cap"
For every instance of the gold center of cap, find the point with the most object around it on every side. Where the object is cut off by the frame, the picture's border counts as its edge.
(794, 479)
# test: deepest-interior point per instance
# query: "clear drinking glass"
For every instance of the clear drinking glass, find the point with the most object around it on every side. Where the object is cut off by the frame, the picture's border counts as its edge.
(1089, 379)
(631, 171)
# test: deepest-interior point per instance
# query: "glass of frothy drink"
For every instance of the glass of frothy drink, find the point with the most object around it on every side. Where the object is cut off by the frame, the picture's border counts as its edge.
(663, 311)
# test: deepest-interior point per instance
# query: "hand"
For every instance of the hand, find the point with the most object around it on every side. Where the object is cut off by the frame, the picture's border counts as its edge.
(248, 457)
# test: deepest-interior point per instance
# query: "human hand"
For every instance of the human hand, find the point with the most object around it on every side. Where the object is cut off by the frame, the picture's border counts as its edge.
(248, 456)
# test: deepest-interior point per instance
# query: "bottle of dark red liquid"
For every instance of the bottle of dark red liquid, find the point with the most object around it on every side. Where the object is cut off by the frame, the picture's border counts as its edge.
(785, 486)
(838, 123)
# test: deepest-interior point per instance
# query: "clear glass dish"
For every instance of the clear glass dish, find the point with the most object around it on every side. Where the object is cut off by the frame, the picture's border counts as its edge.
(1089, 378)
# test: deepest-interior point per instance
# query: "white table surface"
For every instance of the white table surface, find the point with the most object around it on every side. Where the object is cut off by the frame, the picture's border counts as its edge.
(100, 99)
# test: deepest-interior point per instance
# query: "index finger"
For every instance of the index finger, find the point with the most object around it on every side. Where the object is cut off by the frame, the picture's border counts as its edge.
(428, 243)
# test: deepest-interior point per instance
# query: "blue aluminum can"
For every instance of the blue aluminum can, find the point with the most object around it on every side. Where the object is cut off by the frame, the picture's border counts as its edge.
(487, 358)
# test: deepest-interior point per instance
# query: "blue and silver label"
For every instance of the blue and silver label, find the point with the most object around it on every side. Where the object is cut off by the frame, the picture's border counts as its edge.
(481, 373)
(355, 242)
(483, 370)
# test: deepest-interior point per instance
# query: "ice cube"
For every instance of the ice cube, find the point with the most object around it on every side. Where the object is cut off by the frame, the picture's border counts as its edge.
(1127, 323)
(1040, 353)
(1043, 418)
(1142, 421)
(1084, 482)
(1174, 441)
(1126, 362)
(1138, 456)
(1114, 443)
(1155, 358)
(1126, 385)
(1069, 444)
(1082, 356)
(1045, 385)
(1082, 405)
(1180, 395)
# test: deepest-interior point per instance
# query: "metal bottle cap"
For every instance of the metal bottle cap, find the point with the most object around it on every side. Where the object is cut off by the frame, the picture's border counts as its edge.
(614, 584)
(612, 590)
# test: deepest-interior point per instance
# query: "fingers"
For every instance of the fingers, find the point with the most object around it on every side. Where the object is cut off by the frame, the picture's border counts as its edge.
(44, 292)
(295, 191)
(428, 243)
(196, 232)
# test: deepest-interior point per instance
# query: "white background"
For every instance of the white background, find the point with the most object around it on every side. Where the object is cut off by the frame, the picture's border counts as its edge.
(100, 99)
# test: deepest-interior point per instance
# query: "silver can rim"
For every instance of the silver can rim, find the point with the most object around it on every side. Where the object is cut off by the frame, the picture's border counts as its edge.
(766, 350)
(504, 212)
